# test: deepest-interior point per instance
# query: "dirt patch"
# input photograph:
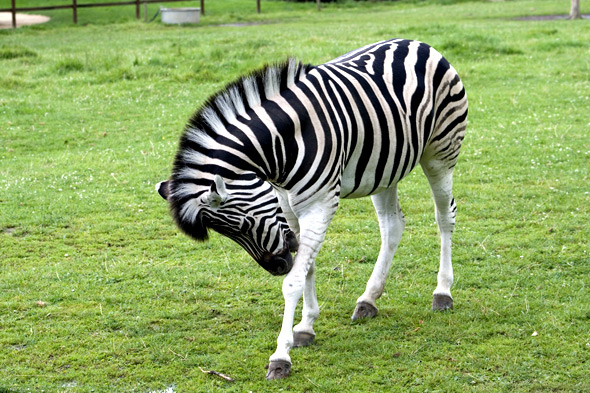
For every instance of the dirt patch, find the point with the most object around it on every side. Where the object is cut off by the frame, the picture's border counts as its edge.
(9, 230)
(21, 20)
(548, 17)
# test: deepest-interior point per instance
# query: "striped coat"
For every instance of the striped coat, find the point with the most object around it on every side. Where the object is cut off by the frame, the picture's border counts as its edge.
(266, 160)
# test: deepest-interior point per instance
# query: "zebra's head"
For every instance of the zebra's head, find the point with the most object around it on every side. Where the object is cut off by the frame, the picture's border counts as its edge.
(246, 210)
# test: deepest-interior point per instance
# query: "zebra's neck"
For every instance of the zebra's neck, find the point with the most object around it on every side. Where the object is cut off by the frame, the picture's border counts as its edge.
(229, 123)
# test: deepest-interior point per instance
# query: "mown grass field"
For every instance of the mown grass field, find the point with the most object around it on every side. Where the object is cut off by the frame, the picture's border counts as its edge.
(99, 292)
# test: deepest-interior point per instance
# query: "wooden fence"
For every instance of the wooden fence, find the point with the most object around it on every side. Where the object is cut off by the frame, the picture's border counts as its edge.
(74, 6)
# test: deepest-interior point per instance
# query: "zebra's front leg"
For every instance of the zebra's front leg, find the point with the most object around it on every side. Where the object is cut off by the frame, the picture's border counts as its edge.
(303, 333)
(391, 225)
(311, 238)
(293, 286)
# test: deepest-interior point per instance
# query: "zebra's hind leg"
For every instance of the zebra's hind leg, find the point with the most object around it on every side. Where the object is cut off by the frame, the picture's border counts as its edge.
(303, 333)
(440, 177)
(391, 225)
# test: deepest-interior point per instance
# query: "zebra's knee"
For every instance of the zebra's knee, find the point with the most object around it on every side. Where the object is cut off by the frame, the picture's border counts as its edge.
(293, 286)
(446, 226)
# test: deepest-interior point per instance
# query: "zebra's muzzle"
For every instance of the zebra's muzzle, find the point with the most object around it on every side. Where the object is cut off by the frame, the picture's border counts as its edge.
(277, 264)
(281, 263)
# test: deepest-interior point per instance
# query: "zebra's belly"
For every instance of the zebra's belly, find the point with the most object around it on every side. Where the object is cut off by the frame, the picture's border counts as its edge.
(364, 176)
(351, 188)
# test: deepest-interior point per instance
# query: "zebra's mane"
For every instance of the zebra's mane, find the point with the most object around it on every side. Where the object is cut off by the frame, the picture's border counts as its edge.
(212, 119)
(245, 93)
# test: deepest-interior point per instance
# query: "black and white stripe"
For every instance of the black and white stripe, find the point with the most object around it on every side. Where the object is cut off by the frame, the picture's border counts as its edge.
(266, 160)
(350, 127)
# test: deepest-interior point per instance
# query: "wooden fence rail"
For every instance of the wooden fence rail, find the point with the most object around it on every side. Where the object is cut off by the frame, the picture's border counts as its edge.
(74, 6)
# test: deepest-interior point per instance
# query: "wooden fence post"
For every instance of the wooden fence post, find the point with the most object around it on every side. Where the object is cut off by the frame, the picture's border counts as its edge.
(258, 6)
(203, 7)
(13, 14)
(137, 12)
(75, 8)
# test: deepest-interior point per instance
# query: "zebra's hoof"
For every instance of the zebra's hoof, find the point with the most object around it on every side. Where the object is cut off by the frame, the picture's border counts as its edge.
(302, 339)
(442, 303)
(364, 310)
(278, 369)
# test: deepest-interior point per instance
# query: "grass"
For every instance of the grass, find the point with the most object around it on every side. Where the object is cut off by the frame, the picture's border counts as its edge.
(99, 292)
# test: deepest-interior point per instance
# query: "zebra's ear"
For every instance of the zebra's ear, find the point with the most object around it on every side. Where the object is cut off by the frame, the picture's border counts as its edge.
(163, 189)
(218, 193)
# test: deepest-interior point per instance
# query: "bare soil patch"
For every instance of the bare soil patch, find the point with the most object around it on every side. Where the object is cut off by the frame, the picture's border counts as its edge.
(548, 17)
(21, 20)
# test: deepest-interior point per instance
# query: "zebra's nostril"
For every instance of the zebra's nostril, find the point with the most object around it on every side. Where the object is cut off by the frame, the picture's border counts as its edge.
(277, 265)
(281, 266)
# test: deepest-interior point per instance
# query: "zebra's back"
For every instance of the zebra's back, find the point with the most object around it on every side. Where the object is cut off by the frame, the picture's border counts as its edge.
(391, 102)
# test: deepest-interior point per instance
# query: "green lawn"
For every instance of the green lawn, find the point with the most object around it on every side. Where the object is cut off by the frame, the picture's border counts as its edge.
(99, 292)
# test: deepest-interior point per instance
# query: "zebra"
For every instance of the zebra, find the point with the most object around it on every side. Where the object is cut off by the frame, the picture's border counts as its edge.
(266, 160)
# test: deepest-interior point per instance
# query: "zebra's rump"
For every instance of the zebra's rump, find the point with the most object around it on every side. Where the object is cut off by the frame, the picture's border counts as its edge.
(387, 104)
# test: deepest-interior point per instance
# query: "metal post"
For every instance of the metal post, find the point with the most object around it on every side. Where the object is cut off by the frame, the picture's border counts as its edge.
(258, 6)
(14, 14)
(203, 7)
(75, 7)
(145, 18)
(137, 11)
